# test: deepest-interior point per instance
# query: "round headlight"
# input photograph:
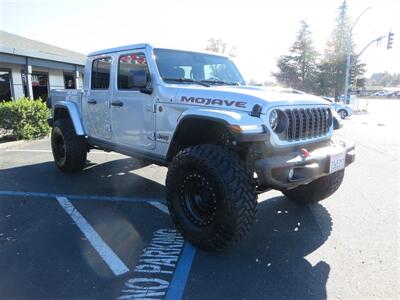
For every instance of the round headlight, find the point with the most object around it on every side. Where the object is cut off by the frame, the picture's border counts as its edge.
(273, 119)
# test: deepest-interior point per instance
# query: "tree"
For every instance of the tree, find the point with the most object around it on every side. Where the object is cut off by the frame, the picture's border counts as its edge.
(219, 46)
(332, 68)
(385, 79)
(298, 69)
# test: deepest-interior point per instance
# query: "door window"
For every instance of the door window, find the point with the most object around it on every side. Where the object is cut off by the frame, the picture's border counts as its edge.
(129, 64)
(101, 69)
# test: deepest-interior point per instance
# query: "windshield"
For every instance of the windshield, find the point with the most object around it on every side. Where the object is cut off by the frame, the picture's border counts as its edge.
(194, 66)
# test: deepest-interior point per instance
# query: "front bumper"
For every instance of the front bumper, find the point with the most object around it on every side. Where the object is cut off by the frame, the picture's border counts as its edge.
(301, 167)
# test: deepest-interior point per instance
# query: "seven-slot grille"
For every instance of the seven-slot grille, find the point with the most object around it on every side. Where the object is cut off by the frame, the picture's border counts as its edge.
(307, 123)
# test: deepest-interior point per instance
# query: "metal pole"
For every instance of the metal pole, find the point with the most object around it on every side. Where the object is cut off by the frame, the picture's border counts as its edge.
(76, 76)
(349, 64)
(369, 44)
(28, 78)
(346, 80)
(349, 46)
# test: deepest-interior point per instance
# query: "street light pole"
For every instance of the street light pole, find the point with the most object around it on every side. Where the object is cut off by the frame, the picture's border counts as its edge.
(348, 63)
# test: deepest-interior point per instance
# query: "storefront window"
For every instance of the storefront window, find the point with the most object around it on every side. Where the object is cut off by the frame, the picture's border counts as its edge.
(39, 85)
(69, 81)
(5, 85)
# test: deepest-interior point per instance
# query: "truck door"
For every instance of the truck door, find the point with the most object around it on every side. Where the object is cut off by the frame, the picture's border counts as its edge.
(132, 112)
(96, 101)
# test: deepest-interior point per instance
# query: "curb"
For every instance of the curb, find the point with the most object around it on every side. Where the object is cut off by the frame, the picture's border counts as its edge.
(11, 144)
(5, 145)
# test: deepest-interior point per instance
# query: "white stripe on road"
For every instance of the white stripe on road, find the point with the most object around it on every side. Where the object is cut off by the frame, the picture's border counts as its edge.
(49, 151)
(268, 195)
(27, 150)
(160, 206)
(106, 253)
(151, 201)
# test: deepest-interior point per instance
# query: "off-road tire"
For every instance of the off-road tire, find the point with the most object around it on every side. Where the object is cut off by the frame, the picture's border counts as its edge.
(342, 113)
(316, 190)
(69, 150)
(228, 186)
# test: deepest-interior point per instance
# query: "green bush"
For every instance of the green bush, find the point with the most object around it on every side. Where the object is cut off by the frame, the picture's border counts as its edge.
(25, 118)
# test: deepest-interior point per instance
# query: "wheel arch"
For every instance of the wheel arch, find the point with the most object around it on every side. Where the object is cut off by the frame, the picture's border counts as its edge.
(206, 127)
(69, 110)
(194, 130)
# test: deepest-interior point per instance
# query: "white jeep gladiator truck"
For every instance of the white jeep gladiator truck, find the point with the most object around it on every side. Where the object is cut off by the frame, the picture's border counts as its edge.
(222, 141)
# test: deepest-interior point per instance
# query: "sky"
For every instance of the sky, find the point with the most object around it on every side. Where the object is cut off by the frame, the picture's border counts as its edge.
(260, 30)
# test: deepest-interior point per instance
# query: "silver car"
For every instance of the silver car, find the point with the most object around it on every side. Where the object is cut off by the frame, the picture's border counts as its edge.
(343, 110)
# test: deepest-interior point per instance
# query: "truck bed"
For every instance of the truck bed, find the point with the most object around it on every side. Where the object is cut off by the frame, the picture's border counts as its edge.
(73, 95)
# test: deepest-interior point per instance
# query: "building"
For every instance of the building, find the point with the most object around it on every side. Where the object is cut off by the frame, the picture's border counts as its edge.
(31, 68)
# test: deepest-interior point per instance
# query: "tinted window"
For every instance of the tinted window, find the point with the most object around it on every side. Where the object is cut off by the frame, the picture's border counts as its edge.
(127, 65)
(174, 64)
(101, 69)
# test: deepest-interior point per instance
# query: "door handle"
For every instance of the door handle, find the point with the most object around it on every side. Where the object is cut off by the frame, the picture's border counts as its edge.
(92, 101)
(117, 103)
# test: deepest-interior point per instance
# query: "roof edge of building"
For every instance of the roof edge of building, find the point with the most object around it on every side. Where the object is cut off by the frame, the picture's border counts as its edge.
(41, 55)
(36, 49)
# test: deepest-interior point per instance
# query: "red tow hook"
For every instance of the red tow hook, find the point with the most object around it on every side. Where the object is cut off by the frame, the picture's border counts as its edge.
(304, 152)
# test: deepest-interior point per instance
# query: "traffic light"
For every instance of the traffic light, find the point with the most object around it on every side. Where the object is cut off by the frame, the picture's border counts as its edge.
(390, 40)
(360, 83)
(352, 76)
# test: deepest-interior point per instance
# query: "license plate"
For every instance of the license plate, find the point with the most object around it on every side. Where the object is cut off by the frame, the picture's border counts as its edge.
(337, 162)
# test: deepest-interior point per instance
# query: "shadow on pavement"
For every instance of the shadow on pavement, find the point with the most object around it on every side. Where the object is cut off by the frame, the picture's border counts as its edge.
(112, 178)
(270, 263)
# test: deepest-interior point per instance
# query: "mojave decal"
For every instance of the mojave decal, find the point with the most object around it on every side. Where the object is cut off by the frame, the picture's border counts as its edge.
(212, 101)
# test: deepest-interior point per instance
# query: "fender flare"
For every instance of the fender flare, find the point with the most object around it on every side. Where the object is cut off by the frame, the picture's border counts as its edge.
(230, 120)
(245, 124)
(74, 115)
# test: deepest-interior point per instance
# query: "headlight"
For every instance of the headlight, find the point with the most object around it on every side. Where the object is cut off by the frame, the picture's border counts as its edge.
(273, 119)
(277, 120)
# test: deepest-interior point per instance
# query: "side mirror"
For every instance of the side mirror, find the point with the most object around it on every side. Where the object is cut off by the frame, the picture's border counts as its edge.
(139, 79)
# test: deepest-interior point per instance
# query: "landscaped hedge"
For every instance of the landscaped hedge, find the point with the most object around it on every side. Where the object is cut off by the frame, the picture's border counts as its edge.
(25, 118)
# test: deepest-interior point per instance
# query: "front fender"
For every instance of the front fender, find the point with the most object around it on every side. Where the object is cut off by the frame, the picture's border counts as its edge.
(240, 124)
(74, 115)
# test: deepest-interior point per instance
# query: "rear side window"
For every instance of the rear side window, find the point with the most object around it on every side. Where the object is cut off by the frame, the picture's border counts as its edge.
(101, 69)
(129, 64)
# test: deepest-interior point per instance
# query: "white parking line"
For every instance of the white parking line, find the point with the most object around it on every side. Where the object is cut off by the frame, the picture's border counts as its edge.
(152, 201)
(160, 206)
(268, 195)
(107, 254)
(49, 151)
(27, 150)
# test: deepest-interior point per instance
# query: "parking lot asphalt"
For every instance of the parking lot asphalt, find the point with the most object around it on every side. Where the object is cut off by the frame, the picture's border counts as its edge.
(105, 232)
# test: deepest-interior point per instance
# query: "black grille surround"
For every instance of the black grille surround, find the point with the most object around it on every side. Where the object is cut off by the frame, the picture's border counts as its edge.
(306, 123)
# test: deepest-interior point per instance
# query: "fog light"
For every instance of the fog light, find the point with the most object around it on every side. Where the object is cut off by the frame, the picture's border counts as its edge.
(290, 174)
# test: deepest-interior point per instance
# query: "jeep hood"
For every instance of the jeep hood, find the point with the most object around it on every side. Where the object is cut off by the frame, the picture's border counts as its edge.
(241, 98)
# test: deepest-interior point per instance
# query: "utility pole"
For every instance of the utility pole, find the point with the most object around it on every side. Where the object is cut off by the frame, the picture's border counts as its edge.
(349, 47)
(377, 40)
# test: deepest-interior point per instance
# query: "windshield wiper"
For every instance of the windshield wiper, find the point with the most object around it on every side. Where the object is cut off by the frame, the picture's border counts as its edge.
(220, 82)
(186, 80)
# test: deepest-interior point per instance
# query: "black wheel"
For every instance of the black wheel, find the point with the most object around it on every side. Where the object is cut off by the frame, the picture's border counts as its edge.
(211, 196)
(69, 149)
(316, 190)
(342, 113)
